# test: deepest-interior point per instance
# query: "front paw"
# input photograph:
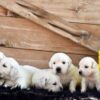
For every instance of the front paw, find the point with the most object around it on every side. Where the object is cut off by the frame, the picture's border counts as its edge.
(72, 90)
(98, 88)
(83, 90)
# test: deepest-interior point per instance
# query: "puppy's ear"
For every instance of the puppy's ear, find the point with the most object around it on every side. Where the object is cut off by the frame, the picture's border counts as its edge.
(94, 64)
(69, 64)
(44, 81)
(50, 63)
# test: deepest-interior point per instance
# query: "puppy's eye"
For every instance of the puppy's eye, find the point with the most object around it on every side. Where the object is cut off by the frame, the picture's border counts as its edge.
(86, 66)
(4, 65)
(54, 63)
(55, 83)
(63, 62)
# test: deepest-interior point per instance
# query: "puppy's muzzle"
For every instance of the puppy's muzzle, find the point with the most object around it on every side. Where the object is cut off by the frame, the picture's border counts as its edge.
(58, 70)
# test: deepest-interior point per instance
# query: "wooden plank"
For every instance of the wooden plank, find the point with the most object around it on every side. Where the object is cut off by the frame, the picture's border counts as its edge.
(72, 9)
(80, 11)
(36, 58)
(2, 11)
(53, 23)
(21, 33)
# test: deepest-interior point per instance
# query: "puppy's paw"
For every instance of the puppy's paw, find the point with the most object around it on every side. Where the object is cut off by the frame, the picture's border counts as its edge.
(72, 90)
(83, 90)
(6, 85)
(98, 88)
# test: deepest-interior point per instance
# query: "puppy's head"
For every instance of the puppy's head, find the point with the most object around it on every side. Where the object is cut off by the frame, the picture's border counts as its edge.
(87, 66)
(51, 83)
(60, 63)
(6, 66)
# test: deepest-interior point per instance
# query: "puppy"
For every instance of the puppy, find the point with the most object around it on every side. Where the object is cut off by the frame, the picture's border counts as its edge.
(88, 69)
(14, 73)
(61, 64)
(44, 78)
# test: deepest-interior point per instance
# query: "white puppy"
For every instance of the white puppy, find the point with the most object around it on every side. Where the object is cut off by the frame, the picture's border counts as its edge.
(14, 73)
(47, 80)
(88, 68)
(62, 66)
(44, 78)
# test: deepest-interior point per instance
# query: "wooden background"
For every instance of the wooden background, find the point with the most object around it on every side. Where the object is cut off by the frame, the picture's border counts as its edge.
(32, 44)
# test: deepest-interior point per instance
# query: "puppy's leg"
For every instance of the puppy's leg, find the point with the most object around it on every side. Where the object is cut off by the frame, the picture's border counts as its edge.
(91, 85)
(72, 86)
(9, 83)
(83, 85)
(22, 83)
(98, 85)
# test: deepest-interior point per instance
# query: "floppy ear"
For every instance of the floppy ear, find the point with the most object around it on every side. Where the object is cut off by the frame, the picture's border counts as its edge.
(69, 64)
(94, 64)
(44, 81)
(50, 63)
(13, 71)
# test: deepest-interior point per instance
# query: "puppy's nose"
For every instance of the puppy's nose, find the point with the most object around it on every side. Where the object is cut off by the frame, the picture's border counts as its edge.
(80, 72)
(58, 69)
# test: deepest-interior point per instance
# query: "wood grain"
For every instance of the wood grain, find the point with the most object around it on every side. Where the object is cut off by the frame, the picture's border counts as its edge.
(2, 11)
(21, 33)
(52, 22)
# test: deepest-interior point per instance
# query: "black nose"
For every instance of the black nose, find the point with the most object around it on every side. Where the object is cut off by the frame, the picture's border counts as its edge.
(80, 72)
(58, 69)
(61, 88)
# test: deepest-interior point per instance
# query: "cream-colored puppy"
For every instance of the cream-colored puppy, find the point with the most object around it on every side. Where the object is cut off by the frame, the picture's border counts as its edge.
(88, 69)
(61, 64)
(45, 79)
(15, 73)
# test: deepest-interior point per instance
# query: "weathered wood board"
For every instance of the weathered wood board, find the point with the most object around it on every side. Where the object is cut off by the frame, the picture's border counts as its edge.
(21, 33)
(32, 44)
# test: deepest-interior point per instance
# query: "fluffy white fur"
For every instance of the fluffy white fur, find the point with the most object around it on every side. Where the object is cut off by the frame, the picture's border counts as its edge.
(14, 73)
(3, 81)
(2, 55)
(44, 78)
(61, 64)
(88, 69)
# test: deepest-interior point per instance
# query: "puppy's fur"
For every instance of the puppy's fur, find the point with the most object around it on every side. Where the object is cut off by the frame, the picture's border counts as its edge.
(2, 55)
(88, 69)
(2, 80)
(15, 74)
(61, 65)
(44, 78)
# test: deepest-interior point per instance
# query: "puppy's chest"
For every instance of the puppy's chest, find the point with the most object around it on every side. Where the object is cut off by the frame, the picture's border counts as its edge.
(90, 81)
(65, 79)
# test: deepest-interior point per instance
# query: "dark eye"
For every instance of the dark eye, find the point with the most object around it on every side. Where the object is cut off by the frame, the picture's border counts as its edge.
(4, 65)
(86, 66)
(63, 62)
(55, 83)
(54, 63)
